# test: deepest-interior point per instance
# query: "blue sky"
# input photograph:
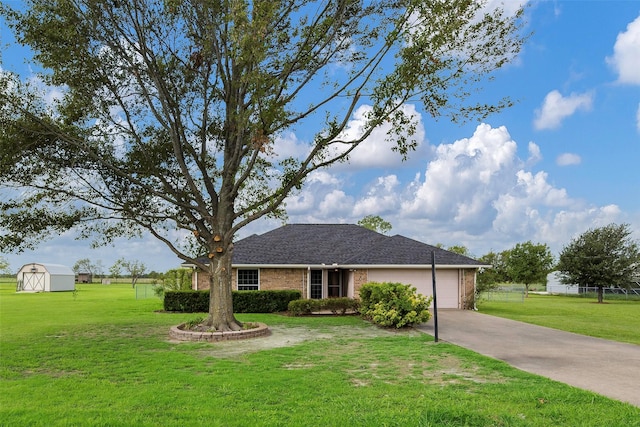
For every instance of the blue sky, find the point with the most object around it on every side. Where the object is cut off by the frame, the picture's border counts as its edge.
(564, 159)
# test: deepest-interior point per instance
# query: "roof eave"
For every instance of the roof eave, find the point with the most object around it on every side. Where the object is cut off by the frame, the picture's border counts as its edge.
(354, 266)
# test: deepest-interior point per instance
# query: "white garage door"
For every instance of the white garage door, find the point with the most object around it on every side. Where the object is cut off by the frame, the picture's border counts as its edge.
(446, 282)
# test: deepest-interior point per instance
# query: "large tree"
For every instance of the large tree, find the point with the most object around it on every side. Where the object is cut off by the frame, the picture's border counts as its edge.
(172, 109)
(529, 263)
(601, 257)
(375, 223)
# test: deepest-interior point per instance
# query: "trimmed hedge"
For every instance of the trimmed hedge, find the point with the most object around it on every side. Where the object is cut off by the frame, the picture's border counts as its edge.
(335, 305)
(243, 301)
(263, 301)
(187, 301)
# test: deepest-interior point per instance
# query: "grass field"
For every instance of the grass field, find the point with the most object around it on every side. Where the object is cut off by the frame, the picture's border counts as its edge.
(100, 357)
(616, 319)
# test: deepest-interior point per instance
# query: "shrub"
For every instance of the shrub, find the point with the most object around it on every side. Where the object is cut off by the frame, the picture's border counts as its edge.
(243, 301)
(340, 305)
(335, 305)
(263, 301)
(393, 304)
(303, 306)
(178, 279)
(186, 301)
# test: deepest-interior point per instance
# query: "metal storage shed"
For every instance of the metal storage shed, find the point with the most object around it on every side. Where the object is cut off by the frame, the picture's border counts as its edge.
(38, 277)
(555, 286)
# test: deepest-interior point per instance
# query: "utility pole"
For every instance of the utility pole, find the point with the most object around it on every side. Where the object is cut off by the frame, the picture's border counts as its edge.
(435, 299)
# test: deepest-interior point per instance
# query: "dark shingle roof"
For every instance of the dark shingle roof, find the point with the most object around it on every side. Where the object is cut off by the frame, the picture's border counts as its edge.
(344, 244)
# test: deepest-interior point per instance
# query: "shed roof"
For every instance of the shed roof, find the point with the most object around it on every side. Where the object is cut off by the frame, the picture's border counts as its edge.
(343, 244)
(54, 269)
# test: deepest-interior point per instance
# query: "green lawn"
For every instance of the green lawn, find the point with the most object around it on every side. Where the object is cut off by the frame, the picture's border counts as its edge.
(617, 320)
(100, 357)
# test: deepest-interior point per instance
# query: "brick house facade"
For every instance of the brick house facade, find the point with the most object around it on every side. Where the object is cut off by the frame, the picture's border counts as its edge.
(335, 260)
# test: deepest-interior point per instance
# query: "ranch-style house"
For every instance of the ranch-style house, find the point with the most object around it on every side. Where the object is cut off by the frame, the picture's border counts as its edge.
(335, 260)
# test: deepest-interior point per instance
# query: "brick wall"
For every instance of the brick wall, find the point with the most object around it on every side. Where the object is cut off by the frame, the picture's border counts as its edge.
(202, 279)
(283, 279)
(467, 291)
(360, 277)
(270, 279)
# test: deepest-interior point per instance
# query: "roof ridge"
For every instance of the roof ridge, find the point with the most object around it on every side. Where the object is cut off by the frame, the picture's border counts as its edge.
(367, 248)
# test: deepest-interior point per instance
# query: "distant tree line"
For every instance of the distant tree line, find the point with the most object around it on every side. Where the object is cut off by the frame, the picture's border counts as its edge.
(600, 257)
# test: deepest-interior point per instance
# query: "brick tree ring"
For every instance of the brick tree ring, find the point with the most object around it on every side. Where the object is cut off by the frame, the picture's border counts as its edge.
(180, 334)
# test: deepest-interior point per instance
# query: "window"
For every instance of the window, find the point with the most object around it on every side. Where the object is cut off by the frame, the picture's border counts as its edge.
(248, 280)
(316, 284)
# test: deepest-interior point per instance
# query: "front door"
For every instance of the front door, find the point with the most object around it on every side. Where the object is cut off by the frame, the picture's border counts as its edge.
(335, 287)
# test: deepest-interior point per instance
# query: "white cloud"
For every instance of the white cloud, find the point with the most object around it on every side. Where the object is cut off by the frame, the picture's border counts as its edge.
(535, 155)
(288, 145)
(382, 197)
(568, 159)
(626, 54)
(556, 108)
(566, 224)
(464, 178)
(376, 150)
(324, 178)
(336, 203)
(520, 211)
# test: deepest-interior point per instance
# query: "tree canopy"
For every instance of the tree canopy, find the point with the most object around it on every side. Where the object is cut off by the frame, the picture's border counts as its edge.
(601, 257)
(375, 223)
(85, 265)
(171, 111)
(461, 250)
(529, 263)
(133, 267)
(489, 278)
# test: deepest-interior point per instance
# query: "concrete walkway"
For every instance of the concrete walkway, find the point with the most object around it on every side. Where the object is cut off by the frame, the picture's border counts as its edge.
(605, 367)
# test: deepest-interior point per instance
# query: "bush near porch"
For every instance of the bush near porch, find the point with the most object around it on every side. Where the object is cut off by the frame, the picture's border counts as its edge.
(393, 304)
(334, 305)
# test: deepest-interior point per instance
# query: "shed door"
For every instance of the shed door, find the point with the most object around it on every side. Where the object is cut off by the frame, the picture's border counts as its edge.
(33, 282)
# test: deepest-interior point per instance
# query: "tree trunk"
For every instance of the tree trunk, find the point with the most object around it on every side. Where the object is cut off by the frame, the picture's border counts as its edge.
(526, 291)
(600, 293)
(220, 301)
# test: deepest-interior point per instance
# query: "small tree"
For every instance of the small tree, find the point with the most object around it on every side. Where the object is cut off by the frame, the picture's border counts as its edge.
(601, 257)
(178, 279)
(4, 266)
(489, 278)
(98, 268)
(135, 269)
(529, 263)
(115, 271)
(84, 265)
(375, 223)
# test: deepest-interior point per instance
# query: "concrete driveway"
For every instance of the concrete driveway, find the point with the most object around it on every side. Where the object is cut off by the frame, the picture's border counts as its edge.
(605, 367)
